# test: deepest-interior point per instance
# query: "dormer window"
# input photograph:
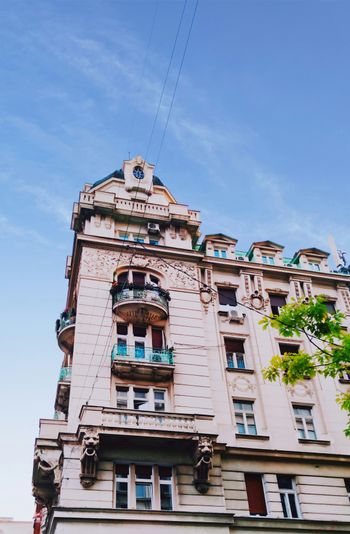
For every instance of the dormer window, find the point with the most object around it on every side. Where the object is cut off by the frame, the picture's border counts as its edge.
(268, 260)
(314, 266)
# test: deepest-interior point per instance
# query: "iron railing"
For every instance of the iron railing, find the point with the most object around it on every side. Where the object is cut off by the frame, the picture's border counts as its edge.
(65, 374)
(142, 354)
(66, 318)
(147, 294)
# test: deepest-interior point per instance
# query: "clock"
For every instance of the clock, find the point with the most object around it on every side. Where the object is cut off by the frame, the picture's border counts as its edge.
(138, 173)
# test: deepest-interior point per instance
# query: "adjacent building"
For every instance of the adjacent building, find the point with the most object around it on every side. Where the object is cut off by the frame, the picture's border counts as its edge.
(163, 421)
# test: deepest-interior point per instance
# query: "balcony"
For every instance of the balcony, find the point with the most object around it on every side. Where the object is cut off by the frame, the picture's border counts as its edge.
(65, 374)
(142, 363)
(145, 304)
(65, 328)
(145, 423)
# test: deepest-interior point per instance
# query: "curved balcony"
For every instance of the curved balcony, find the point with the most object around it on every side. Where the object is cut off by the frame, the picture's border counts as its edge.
(142, 363)
(145, 304)
(65, 328)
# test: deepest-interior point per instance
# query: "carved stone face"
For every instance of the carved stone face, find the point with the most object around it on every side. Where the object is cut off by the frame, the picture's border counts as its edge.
(91, 441)
(205, 450)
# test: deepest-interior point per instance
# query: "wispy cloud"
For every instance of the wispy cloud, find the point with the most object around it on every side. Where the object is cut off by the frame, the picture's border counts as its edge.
(46, 201)
(8, 229)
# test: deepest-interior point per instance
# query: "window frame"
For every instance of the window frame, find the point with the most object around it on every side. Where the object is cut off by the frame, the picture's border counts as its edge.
(304, 421)
(292, 491)
(156, 484)
(234, 354)
(244, 414)
(151, 400)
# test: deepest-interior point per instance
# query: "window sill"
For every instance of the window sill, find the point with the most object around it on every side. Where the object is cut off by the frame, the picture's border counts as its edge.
(253, 436)
(239, 370)
(314, 441)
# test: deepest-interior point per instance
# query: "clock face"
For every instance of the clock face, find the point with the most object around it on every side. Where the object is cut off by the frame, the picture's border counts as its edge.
(138, 172)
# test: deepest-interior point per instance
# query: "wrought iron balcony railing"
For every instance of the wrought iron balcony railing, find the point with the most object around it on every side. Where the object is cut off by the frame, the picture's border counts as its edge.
(65, 374)
(147, 293)
(67, 318)
(142, 354)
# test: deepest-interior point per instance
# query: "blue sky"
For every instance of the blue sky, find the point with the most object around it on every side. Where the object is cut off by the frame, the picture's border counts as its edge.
(258, 140)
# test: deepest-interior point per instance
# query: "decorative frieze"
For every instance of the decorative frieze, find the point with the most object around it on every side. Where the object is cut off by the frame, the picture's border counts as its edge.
(146, 421)
(102, 263)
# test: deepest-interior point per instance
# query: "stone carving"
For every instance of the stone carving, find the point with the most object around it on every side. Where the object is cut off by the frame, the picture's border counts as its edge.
(46, 479)
(243, 384)
(300, 390)
(203, 462)
(89, 458)
(102, 263)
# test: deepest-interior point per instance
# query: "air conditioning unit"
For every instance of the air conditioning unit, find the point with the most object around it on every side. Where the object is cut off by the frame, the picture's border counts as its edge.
(234, 316)
(153, 228)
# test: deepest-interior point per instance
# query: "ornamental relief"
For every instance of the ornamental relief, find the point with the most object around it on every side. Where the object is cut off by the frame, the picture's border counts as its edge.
(242, 384)
(102, 263)
(300, 390)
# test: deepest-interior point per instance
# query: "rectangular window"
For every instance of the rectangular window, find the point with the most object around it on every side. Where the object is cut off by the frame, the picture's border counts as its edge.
(245, 420)
(165, 486)
(288, 347)
(138, 398)
(314, 266)
(227, 296)
(123, 236)
(234, 353)
(144, 487)
(330, 306)
(122, 397)
(122, 484)
(268, 260)
(276, 303)
(288, 495)
(153, 242)
(220, 253)
(304, 422)
(255, 494)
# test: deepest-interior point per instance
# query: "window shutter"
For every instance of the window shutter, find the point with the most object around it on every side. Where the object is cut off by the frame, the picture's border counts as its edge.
(255, 493)
(157, 338)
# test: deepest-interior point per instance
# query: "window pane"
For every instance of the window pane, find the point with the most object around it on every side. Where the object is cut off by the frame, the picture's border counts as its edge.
(139, 331)
(288, 347)
(138, 278)
(223, 254)
(122, 495)
(284, 482)
(216, 253)
(140, 399)
(122, 470)
(284, 507)
(292, 504)
(143, 495)
(165, 497)
(143, 471)
(227, 296)
(165, 473)
(330, 307)
(234, 345)
(122, 329)
(241, 428)
(240, 361)
(123, 278)
(122, 397)
(139, 349)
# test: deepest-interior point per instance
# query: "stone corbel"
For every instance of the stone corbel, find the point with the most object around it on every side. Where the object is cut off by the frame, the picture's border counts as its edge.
(89, 458)
(47, 475)
(203, 462)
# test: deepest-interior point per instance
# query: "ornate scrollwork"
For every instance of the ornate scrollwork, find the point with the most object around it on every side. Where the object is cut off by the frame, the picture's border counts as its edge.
(89, 458)
(203, 462)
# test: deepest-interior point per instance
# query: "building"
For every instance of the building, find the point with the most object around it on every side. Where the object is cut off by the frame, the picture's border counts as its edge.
(162, 418)
(9, 526)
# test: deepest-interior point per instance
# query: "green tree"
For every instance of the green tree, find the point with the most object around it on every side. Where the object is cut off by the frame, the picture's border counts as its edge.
(330, 341)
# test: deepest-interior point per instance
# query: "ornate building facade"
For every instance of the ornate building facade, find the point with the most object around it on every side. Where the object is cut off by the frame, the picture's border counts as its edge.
(163, 420)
